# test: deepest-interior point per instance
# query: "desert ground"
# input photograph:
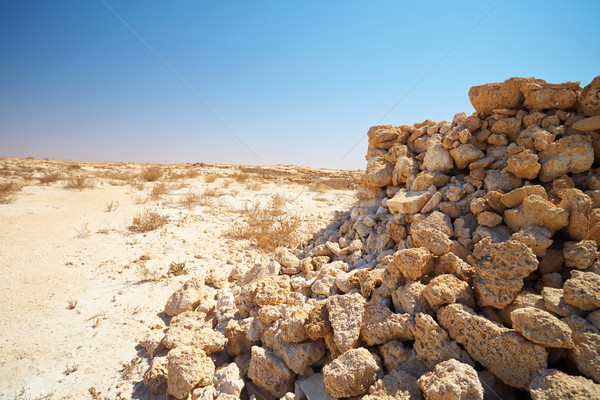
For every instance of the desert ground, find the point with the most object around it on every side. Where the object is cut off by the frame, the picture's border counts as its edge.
(83, 280)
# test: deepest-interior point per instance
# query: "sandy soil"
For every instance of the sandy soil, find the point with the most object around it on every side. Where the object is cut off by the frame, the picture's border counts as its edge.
(79, 289)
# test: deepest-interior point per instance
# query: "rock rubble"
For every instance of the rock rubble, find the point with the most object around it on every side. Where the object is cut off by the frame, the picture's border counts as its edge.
(468, 268)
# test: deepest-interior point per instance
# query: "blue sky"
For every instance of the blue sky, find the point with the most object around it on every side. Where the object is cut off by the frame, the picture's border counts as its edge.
(298, 82)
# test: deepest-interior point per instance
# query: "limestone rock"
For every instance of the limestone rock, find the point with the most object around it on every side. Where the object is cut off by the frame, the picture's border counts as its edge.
(496, 180)
(489, 218)
(408, 202)
(524, 165)
(269, 372)
(550, 96)
(587, 124)
(586, 350)
(314, 388)
(346, 317)
(433, 345)
(187, 297)
(228, 380)
(589, 98)
(237, 341)
(506, 126)
(500, 270)
(414, 263)
(465, 154)
(317, 323)
(289, 262)
(272, 290)
(573, 154)
(379, 134)
(552, 384)
(396, 357)
(582, 290)
(488, 97)
(352, 373)
(379, 172)
(437, 158)
(541, 327)
(155, 377)
(397, 385)
(525, 298)
(537, 238)
(300, 356)
(409, 298)
(432, 239)
(579, 205)
(187, 368)
(580, 255)
(205, 339)
(503, 351)
(535, 211)
(451, 380)
(292, 327)
(554, 300)
(380, 325)
(515, 197)
(446, 289)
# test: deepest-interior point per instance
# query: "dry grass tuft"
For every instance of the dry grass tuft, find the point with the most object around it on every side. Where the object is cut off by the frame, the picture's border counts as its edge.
(159, 190)
(50, 178)
(267, 226)
(73, 166)
(147, 221)
(7, 191)
(190, 200)
(80, 182)
(72, 304)
(151, 174)
(111, 206)
(176, 269)
(210, 178)
(240, 177)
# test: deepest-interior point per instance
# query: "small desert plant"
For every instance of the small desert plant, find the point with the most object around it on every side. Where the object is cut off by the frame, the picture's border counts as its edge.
(50, 178)
(147, 274)
(7, 191)
(192, 173)
(189, 201)
(151, 174)
(159, 190)
(210, 178)
(72, 304)
(73, 166)
(80, 182)
(267, 226)
(130, 369)
(176, 269)
(111, 206)
(253, 185)
(147, 221)
(140, 199)
(70, 369)
(83, 232)
(241, 177)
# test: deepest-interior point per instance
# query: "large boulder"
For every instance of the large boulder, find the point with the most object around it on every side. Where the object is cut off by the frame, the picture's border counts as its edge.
(270, 372)
(188, 368)
(541, 327)
(573, 154)
(504, 352)
(536, 211)
(589, 98)
(488, 97)
(543, 96)
(346, 318)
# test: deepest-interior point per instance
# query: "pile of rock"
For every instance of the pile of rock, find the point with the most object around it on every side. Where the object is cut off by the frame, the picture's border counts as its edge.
(471, 271)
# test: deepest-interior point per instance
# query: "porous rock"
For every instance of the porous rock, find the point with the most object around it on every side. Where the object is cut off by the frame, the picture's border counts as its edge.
(352, 373)
(500, 270)
(187, 297)
(586, 349)
(380, 325)
(446, 289)
(503, 351)
(552, 384)
(270, 372)
(346, 318)
(451, 380)
(188, 367)
(541, 327)
(582, 290)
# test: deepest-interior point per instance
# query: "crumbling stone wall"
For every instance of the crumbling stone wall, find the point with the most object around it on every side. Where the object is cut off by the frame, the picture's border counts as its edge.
(470, 270)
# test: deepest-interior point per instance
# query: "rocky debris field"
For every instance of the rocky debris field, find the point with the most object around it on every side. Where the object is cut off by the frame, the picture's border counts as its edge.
(469, 270)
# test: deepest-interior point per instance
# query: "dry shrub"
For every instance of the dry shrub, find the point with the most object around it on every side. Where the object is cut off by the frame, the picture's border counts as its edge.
(137, 184)
(151, 174)
(50, 178)
(210, 178)
(253, 185)
(176, 269)
(159, 190)
(80, 182)
(189, 201)
(206, 198)
(7, 191)
(267, 226)
(240, 177)
(147, 221)
(112, 206)
(192, 173)
(318, 187)
(73, 166)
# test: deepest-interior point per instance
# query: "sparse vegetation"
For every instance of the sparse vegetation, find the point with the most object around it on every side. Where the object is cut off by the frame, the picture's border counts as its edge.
(159, 190)
(147, 221)
(70, 369)
(7, 191)
(130, 369)
(267, 226)
(111, 206)
(50, 178)
(189, 201)
(176, 269)
(151, 174)
(80, 182)
(83, 232)
(72, 304)
(210, 178)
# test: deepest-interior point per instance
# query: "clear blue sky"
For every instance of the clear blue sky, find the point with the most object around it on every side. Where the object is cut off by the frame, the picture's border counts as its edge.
(299, 82)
